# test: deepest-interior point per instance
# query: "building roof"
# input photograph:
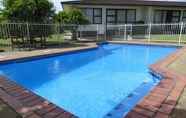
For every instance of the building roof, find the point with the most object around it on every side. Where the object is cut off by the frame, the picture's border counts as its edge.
(177, 3)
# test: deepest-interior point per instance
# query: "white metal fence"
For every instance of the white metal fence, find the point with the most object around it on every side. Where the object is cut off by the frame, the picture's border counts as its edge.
(171, 33)
(34, 35)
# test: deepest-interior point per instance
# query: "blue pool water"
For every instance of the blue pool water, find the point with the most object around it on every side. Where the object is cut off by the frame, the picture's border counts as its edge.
(103, 82)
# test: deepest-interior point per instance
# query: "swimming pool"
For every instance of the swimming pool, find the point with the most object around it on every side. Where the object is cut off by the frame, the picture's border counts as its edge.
(104, 82)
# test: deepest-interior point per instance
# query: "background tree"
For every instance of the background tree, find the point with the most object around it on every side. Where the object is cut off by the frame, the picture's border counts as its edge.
(73, 16)
(28, 10)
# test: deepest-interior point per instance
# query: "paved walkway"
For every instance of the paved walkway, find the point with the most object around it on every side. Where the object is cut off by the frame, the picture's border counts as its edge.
(179, 65)
(180, 109)
(7, 112)
(43, 52)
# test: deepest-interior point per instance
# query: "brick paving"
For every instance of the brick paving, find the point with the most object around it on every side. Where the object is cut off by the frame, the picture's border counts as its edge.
(159, 103)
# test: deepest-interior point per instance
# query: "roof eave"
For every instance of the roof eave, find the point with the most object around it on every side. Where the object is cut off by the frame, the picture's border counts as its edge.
(152, 3)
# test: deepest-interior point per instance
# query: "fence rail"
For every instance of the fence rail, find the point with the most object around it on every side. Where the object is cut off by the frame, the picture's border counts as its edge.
(24, 35)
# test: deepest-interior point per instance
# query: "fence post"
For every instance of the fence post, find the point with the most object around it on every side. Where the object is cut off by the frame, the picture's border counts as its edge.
(58, 33)
(125, 32)
(149, 32)
(181, 30)
(28, 35)
(97, 30)
(119, 30)
(77, 30)
(131, 32)
(105, 32)
(80, 31)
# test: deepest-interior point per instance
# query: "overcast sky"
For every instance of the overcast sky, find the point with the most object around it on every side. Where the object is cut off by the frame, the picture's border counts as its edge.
(57, 4)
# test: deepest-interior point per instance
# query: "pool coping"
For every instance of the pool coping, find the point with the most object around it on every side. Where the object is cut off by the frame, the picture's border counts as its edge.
(158, 103)
(43, 53)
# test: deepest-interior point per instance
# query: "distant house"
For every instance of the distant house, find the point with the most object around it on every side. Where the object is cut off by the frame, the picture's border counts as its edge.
(131, 11)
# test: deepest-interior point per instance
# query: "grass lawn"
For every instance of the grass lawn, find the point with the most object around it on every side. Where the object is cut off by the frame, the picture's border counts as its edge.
(56, 38)
(168, 38)
(5, 44)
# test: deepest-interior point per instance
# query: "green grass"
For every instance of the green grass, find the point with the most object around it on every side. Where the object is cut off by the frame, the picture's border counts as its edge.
(5, 44)
(168, 38)
(59, 38)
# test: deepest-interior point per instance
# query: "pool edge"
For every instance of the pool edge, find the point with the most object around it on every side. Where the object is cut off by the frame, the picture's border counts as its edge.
(44, 53)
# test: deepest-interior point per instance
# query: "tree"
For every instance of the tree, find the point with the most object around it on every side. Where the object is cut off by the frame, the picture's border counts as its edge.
(73, 16)
(28, 10)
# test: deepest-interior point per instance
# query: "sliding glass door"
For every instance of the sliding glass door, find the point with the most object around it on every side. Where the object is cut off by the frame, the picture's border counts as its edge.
(167, 16)
(121, 16)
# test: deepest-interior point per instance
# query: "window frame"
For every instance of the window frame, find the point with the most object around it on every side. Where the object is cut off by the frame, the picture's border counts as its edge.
(95, 16)
(161, 15)
(166, 11)
(177, 16)
(134, 15)
(115, 16)
(183, 17)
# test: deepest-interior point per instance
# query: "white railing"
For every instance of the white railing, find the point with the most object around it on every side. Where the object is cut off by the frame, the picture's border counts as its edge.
(172, 33)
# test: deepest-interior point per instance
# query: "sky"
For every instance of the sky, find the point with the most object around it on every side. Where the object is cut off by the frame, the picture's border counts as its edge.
(57, 4)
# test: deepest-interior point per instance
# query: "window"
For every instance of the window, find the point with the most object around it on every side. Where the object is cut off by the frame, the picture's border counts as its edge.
(97, 16)
(160, 16)
(89, 14)
(167, 16)
(175, 16)
(111, 16)
(184, 16)
(121, 16)
(94, 15)
(131, 16)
